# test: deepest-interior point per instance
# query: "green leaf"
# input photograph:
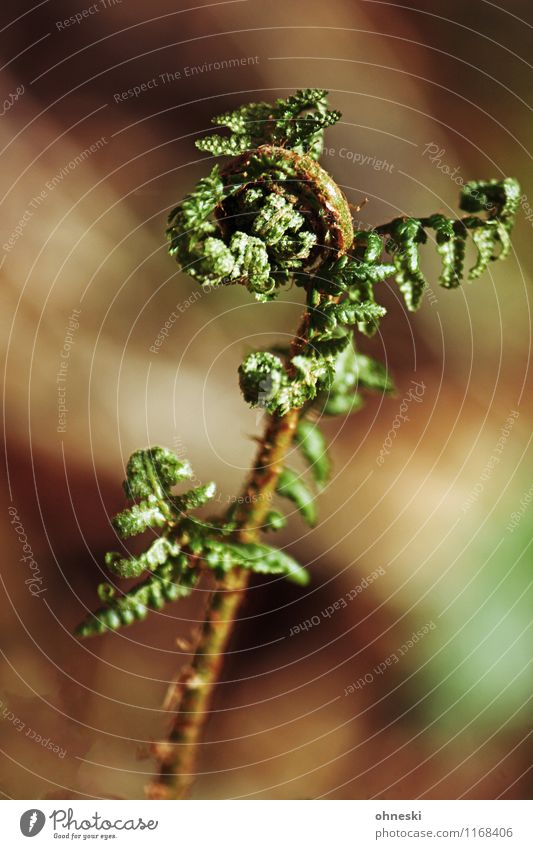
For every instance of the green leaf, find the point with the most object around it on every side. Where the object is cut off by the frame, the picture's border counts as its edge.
(353, 371)
(149, 513)
(218, 555)
(154, 471)
(261, 377)
(483, 238)
(274, 218)
(365, 272)
(347, 272)
(370, 243)
(131, 567)
(296, 122)
(194, 498)
(345, 374)
(371, 374)
(160, 587)
(353, 313)
(265, 383)
(250, 261)
(222, 556)
(362, 291)
(498, 198)
(291, 486)
(453, 256)
(443, 226)
(339, 404)
(106, 592)
(189, 223)
(216, 265)
(329, 346)
(311, 442)
(275, 521)
(356, 370)
(242, 119)
(406, 235)
(222, 146)
(504, 238)
(348, 313)
(323, 318)
(264, 560)
(313, 371)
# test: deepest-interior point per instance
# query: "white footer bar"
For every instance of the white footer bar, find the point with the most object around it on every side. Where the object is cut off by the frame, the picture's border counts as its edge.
(302, 824)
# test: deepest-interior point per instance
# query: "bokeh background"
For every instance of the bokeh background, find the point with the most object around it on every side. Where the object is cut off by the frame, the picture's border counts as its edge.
(450, 719)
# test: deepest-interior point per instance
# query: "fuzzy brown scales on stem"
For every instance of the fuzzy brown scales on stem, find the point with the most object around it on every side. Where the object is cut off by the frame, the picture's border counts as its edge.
(177, 754)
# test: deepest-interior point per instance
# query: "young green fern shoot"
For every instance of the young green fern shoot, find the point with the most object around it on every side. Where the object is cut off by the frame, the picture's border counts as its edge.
(271, 215)
(186, 544)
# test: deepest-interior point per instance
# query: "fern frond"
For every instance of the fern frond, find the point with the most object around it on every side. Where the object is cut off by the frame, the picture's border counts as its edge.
(149, 513)
(296, 122)
(131, 567)
(312, 444)
(152, 594)
(291, 486)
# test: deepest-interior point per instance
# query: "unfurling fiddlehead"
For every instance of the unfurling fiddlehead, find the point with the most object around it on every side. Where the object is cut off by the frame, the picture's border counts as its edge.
(271, 216)
(272, 212)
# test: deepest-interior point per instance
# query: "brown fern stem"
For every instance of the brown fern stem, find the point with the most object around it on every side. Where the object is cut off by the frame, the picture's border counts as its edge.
(195, 688)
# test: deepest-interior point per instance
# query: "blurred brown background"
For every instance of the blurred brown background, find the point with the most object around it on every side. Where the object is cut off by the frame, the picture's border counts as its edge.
(450, 718)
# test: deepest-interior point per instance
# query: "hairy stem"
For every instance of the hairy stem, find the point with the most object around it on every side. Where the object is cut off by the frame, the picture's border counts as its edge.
(193, 692)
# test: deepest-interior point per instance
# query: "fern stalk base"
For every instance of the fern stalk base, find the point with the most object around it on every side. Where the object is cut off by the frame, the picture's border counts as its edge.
(195, 688)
